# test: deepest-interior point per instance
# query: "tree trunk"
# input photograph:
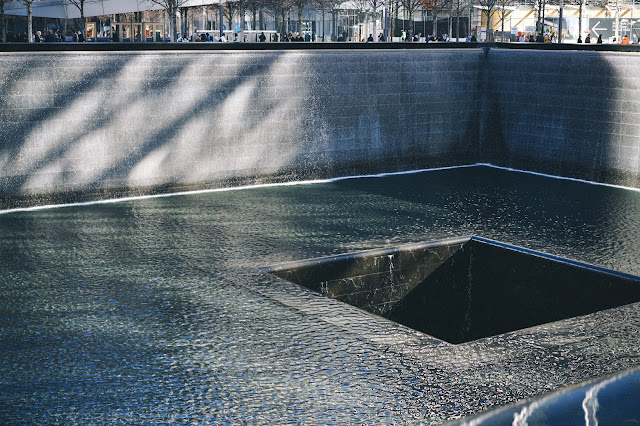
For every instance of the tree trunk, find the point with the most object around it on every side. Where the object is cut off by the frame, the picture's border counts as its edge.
(184, 23)
(29, 23)
(82, 21)
(469, 29)
(242, 24)
(544, 7)
(3, 22)
(450, 18)
(394, 20)
(283, 27)
(411, 23)
(375, 30)
(489, 28)
(435, 24)
(300, 9)
(173, 23)
(458, 21)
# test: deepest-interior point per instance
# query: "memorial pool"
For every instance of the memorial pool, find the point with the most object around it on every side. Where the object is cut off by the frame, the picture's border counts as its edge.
(153, 310)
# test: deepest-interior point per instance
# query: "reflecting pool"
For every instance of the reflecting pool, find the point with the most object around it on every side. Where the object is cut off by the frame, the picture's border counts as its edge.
(154, 310)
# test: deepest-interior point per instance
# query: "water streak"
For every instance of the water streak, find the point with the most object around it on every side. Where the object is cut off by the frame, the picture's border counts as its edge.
(234, 188)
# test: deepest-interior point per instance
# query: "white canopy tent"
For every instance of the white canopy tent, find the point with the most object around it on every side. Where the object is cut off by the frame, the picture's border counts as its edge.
(63, 9)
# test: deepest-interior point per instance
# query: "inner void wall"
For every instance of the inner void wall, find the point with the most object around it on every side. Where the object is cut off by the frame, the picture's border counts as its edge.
(102, 124)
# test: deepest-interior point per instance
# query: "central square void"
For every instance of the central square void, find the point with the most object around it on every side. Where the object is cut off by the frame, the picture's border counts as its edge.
(464, 289)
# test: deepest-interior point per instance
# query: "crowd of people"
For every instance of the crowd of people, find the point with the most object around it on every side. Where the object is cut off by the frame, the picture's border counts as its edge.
(405, 36)
(48, 37)
(262, 38)
(552, 38)
(625, 39)
(206, 37)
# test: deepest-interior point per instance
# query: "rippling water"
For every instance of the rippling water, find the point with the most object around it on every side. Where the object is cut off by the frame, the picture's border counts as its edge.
(152, 311)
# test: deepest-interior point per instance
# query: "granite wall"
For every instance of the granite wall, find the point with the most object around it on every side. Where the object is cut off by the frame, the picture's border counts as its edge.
(567, 113)
(101, 124)
(104, 124)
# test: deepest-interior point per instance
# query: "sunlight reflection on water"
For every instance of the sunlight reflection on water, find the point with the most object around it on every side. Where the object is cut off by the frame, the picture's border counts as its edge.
(150, 310)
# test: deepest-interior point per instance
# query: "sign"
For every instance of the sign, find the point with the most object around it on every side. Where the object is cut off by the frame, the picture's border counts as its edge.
(625, 25)
(604, 27)
(514, 30)
(597, 29)
(530, 29)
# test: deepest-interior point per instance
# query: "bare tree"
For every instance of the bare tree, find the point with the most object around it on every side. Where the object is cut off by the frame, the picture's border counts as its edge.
(279, 9)
(504, 11)
(370, 7)
(229, 12)
(459, 7)
(300, 5)
(254, 7)
(79, 4)
(394, 5)
(29, 4)
(171, 7)
(362, 8)
(489, 8)
(325, 6)
(435, 6)
(384, 14)
(410, 7)
(242, 6)
(375, 6)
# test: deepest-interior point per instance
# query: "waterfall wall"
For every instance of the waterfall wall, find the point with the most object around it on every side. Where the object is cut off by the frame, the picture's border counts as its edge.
(96, 122)
(567, 113)
(91, 124)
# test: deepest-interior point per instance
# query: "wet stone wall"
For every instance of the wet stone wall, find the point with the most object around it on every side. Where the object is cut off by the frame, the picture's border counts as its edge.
(92, 123)
(102, 124)
(573, 114)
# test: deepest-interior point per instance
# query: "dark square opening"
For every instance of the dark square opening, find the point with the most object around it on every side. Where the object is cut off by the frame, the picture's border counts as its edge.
(464, 289)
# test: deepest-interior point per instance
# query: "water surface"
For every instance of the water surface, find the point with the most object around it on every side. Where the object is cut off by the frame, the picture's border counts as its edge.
(152, 310)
